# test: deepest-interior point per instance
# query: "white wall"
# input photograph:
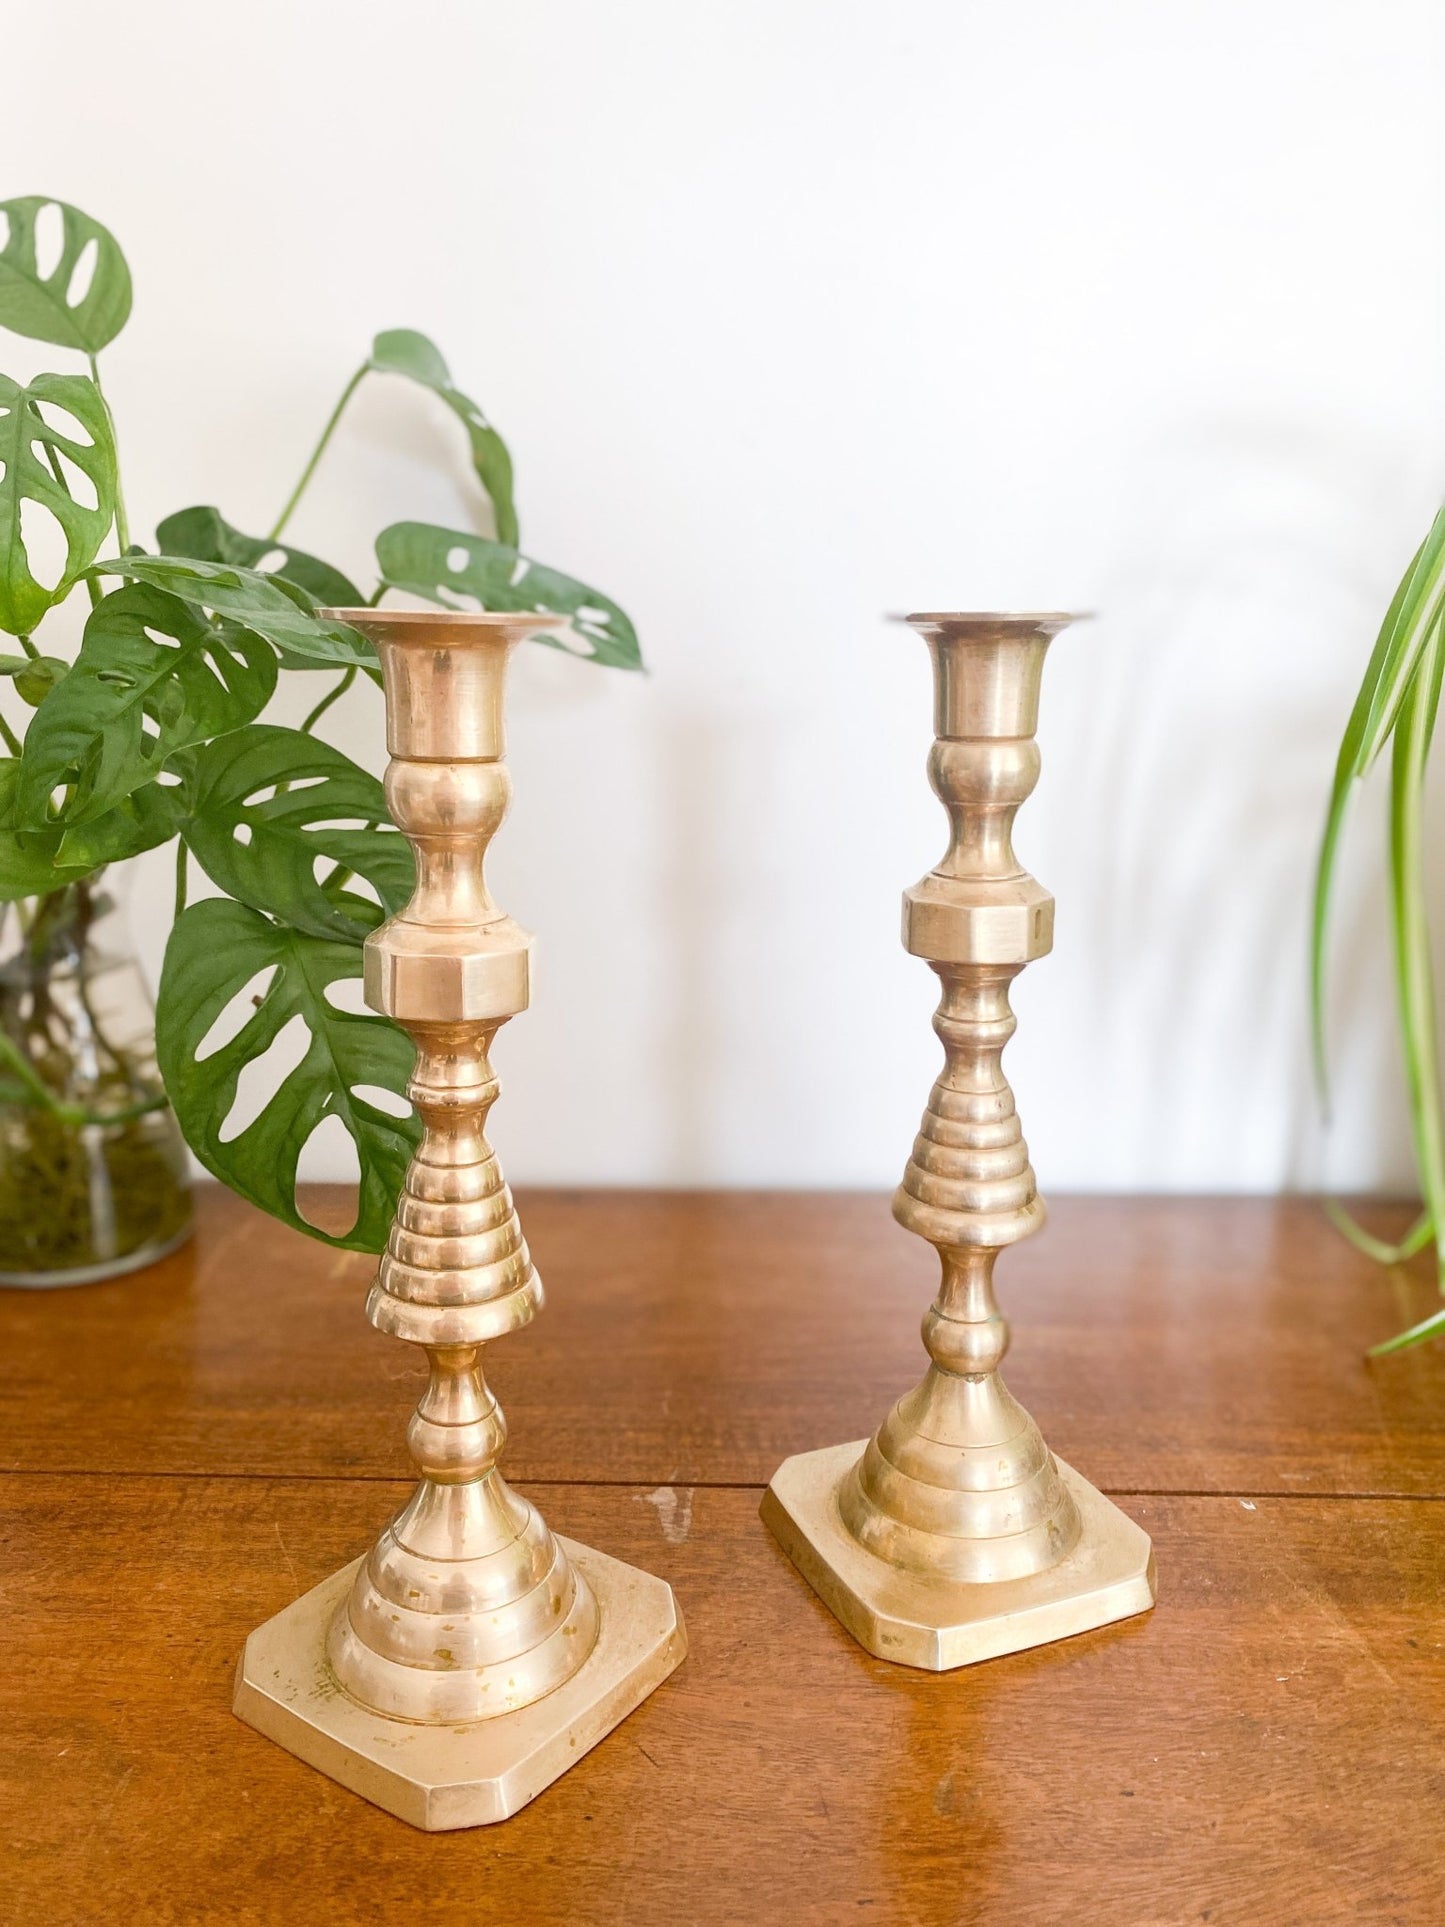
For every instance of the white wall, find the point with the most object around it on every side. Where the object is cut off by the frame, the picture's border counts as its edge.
(796, 312)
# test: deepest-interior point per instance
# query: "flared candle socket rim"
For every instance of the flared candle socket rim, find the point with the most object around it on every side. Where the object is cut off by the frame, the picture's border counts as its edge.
(490, 622)
(994, 619)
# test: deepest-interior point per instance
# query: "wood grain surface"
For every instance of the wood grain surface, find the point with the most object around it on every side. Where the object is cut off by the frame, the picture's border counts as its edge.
(1184, 1345)
(191, 1448)
(1268, 1746)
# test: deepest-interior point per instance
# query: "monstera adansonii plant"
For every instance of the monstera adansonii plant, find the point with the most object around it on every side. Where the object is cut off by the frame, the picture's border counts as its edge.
(152, 729)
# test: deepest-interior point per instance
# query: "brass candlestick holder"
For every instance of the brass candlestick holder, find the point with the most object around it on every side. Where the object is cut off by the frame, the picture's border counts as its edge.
(955, 1535)
(471, 1657)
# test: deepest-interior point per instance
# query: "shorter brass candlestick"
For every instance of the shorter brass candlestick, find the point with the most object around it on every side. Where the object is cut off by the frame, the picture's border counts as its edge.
(955, 1535)
(471, 1657)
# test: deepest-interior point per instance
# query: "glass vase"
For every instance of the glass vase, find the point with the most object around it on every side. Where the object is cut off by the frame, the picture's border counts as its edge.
(93, 1172)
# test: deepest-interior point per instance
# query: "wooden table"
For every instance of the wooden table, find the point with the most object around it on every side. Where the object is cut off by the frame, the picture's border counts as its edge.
(186, 1450)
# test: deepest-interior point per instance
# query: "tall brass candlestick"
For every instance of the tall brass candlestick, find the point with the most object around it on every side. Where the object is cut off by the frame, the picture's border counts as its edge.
(954, 1534)
(471, 1657)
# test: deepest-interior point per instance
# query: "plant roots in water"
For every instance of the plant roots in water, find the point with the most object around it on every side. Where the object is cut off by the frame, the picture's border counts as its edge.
(92, 1167)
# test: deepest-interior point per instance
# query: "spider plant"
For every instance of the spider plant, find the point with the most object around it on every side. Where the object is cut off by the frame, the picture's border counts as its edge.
(1397, 705)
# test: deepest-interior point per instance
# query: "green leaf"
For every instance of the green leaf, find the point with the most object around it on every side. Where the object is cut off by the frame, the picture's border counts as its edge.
(1415, 1239)
(142, 821)
(215, 949)
(264, 804)
(1415, 612)
(33, 862)
(152, 677)
(1431, 1327)
(1348, 768)
(34, 676)
(462, 571)
(32, 449)
(402, 351)
(279, 610)
(1410, 927)
(204, 535)
(28, 862)
(41, 306)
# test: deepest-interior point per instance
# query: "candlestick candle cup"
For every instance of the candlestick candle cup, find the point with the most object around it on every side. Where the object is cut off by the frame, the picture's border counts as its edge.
(954, 1534)
(471, 1656)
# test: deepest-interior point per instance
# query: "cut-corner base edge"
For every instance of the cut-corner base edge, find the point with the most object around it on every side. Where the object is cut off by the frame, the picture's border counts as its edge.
(940, 1625)
(443, 1777)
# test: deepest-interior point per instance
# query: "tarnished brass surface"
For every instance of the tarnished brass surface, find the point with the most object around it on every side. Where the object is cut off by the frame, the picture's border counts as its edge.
(443, 1776)
(954, 1534)
(920, 1619)
(467, 1614)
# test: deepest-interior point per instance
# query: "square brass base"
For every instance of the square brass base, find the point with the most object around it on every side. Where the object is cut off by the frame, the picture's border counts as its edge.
(439, 1777)
(942, 1624)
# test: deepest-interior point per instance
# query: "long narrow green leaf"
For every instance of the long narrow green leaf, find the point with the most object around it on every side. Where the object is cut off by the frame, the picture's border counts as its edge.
(1410, 927)
(1417, 615)
(1348, 767)
(1431, 1327)
(1415, 1239)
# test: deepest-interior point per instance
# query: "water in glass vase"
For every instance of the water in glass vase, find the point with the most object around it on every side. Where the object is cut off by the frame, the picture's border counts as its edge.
(93, 1173)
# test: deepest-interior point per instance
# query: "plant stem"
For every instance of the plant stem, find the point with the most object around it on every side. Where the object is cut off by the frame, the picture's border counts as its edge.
(29, 647)
(122, 525)
(181, 854)
(12, 741)
(68, 1113)
(1415, 1239)
(320, 449)
(348, 677)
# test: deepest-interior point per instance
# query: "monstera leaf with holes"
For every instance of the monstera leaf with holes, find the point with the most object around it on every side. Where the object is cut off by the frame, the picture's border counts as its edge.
(34, 452)
(402, 351)
(216, 948)
(35, 861)
(204, 535)
(280, 610)
(267, 808)
(152, 732)
(455, 569)
(153, 677)
(84, 300)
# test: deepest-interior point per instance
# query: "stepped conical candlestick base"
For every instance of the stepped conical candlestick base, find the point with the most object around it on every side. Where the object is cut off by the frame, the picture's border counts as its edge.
(471, 1657)
(954, 1534)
